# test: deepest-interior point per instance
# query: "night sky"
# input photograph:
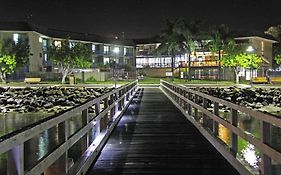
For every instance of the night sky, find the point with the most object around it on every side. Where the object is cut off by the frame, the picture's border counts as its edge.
(140, 18)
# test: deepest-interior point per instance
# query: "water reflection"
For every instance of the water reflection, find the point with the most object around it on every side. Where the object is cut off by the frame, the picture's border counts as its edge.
(247, 153)
(44, 143)
(250, 155)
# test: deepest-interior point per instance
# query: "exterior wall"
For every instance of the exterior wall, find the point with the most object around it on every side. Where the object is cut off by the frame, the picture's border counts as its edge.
(36, 51)
(262, 48)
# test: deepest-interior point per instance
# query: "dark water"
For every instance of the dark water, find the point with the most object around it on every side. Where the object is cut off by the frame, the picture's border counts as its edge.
(44, 143)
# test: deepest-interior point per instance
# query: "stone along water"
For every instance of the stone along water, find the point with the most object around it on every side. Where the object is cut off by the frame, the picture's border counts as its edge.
(19, 106)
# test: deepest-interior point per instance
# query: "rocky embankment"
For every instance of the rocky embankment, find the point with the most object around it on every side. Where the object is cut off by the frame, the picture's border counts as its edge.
(254, 98)
(45, 99)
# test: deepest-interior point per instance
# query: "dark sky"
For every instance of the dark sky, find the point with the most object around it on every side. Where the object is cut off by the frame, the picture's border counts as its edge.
(140, 18)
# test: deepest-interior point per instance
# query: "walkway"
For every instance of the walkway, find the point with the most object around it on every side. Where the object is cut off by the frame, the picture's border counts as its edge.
(153, 137)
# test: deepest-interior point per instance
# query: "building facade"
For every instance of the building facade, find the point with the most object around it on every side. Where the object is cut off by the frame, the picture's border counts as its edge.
(105, 50)
(204, 64)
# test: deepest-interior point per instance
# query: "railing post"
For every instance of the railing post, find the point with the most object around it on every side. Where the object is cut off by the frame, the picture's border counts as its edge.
(215, 124)
(205, 105)
(97, 112)
(120, 102)
(117, 103)
(234, 138)
(127, 93)
(15, 164)
(85, 139)
(104, 118)
(195, 109)
(112, 111)
(266, 165)
(189, 109)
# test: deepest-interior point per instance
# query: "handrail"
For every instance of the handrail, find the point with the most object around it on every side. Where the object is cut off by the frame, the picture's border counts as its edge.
(183, 97)
(115, 102)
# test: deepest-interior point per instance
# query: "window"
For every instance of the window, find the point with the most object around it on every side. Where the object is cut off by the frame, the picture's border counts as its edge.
(72, 44)
(57, 43)
(105, 61)
(105, 49)
(93, 48)
(44, 44)
(125, 51)
(16, 37)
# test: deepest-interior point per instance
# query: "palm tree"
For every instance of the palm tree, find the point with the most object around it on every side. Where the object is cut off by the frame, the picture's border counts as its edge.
(219, 35)
(174, 40)
(194, 32)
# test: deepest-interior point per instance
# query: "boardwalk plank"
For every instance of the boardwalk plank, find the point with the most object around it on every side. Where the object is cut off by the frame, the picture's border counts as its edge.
(153, 137)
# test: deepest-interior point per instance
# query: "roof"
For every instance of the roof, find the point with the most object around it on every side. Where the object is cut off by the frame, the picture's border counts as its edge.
(251, 34)
(56, 33)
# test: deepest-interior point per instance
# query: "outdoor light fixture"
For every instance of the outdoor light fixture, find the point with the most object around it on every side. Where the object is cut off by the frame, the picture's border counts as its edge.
(116, 50)
(250, 49)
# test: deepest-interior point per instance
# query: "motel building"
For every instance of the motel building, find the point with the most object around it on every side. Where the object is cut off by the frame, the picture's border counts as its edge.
(39, 39)
(204, 65)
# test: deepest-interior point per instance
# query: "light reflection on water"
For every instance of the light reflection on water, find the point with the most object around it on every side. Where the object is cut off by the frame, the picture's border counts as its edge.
(40, 145)
(247, 153)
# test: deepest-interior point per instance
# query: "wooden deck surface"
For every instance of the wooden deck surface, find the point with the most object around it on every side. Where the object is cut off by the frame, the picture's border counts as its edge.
(153, 137)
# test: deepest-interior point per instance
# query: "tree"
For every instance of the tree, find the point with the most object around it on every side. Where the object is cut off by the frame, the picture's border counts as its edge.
(68, 56)
(174, 40)
(235, 58)
(218, 38)
(21, 50)
(7, 60)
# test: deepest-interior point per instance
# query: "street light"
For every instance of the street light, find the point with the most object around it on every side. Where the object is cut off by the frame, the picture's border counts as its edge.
(250, 49)
(116, 51)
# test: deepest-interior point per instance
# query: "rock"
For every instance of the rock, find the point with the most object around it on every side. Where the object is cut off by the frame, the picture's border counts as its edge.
(48, 105)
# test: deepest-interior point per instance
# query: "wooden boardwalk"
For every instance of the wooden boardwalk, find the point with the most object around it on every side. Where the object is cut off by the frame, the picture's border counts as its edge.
(153, 137)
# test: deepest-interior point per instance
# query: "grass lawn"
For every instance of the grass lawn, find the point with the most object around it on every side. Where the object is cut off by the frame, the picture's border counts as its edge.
(149, 80)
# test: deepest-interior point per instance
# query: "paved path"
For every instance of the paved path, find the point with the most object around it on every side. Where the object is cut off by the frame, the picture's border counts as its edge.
(153, 137)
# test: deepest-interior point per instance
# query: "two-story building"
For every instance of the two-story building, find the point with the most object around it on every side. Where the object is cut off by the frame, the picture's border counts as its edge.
(39, 39)
(204, 64)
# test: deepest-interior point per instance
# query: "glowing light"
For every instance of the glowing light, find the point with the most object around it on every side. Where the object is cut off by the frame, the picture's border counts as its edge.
(250, 156)
(250, 49)
(16, 37)
(40, 40)
(116, 50)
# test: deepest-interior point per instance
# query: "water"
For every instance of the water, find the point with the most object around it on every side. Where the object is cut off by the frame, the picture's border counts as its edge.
(44, 143)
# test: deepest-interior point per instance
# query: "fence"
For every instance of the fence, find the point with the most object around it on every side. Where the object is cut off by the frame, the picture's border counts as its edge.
(191, 102)
(108, 109)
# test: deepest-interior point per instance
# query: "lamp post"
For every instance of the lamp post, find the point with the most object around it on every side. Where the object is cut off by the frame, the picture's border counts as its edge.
(116, 52)
(250, 49)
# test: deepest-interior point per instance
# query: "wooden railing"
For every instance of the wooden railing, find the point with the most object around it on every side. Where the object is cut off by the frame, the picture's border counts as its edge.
(103, 121)
(190, 102)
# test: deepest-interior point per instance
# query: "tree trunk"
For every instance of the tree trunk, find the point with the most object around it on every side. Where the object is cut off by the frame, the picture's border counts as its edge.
(64, 75)
(3, 77)
(189, 68)
(251, 76)
(236, 76)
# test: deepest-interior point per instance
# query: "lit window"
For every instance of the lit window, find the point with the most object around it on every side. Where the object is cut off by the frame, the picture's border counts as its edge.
(72, 44)
(57, 43)
(125, 51)
(45, 57)
(105, 49)
(93, 48)
(105, 60)
(16, 37)
(40, 40)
